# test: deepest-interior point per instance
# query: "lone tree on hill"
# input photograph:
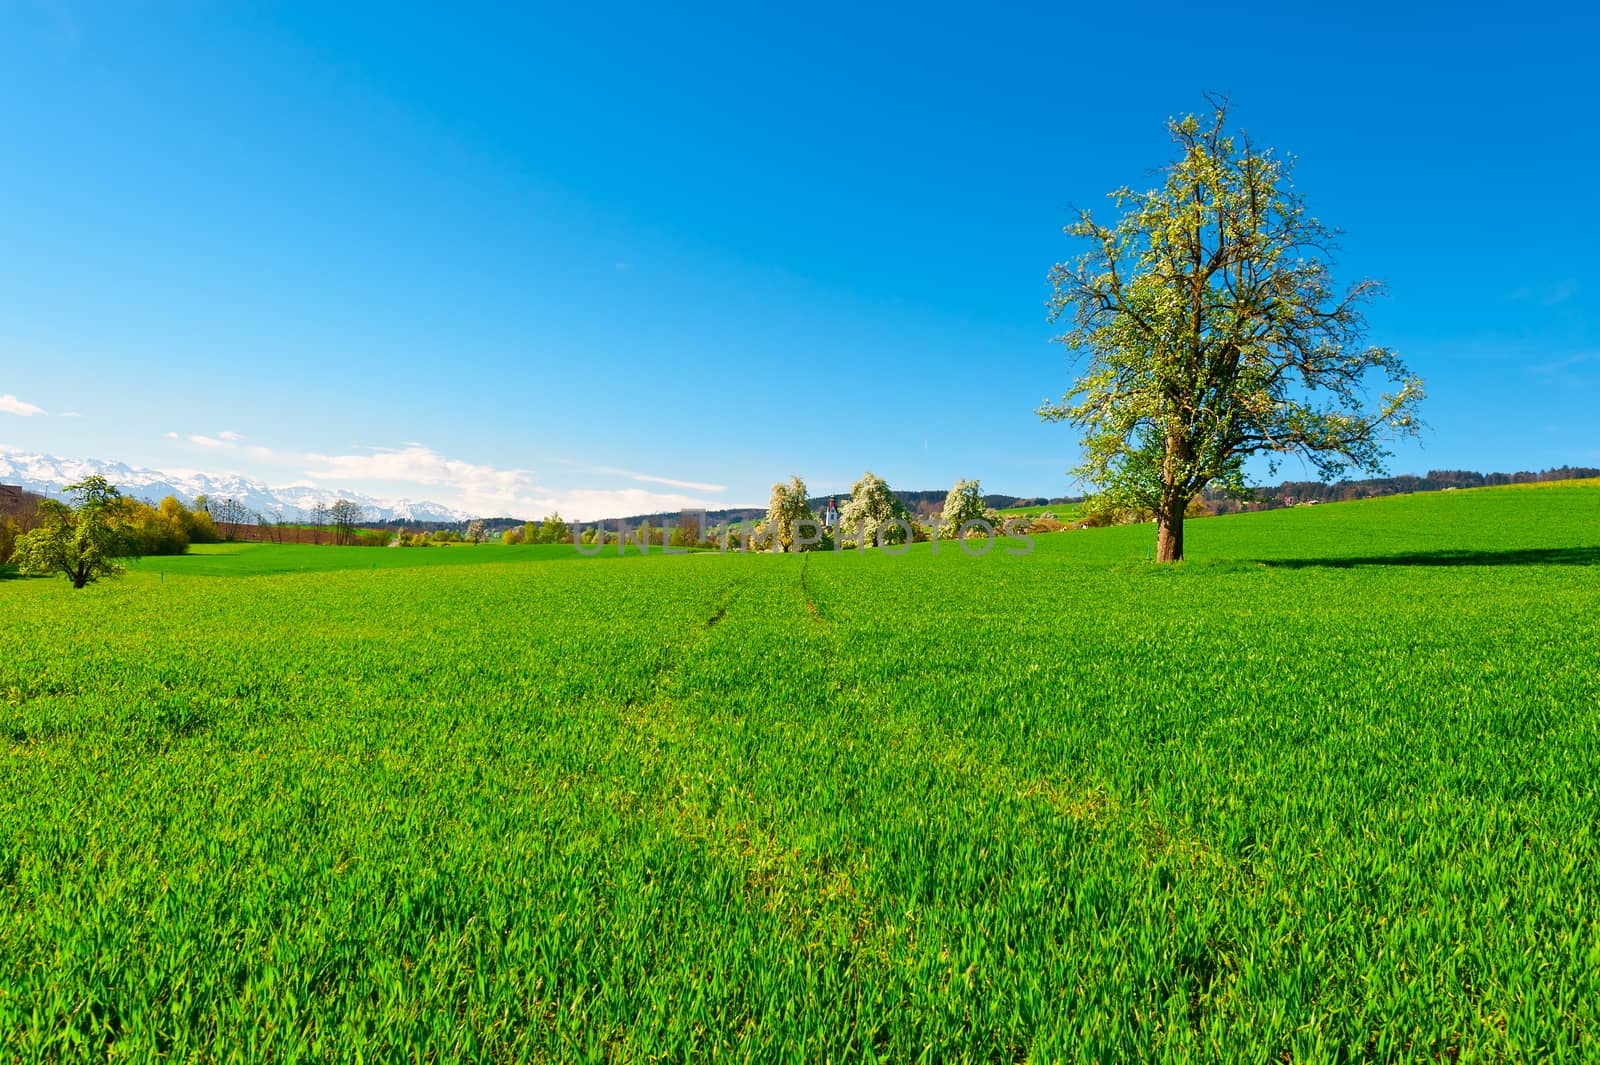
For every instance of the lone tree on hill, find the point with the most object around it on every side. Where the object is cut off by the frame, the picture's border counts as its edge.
(1212, 331)
(80, 542)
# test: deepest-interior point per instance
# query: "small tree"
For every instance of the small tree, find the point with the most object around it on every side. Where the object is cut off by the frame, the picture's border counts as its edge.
(964, 503)
(345, 516)
(554, 530)
(319, 520)
(475, 533)
(1212, 331)
(280, 525)
(530, 533)
(229, 515)
(79, 542)
(690, 523)
(874, 513)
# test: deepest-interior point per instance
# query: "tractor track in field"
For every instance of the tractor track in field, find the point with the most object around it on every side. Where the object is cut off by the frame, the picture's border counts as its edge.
(727, 600)
(805, 592)
(664, 673)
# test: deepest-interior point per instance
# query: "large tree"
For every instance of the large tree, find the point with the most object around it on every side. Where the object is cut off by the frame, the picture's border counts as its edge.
(1210, 329)
(79, 542)
(963, 503)
(873, 514)
(790, 523)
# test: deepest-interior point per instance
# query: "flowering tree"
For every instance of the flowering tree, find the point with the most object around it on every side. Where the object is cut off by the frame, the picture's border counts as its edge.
(1211, 331)
(79, 542)
(873, 513)
(789, 519)
(964, 503)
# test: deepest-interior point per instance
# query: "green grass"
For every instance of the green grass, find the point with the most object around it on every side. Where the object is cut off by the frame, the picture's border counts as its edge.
(252, 559)
(1327, 792)
(1064, 512)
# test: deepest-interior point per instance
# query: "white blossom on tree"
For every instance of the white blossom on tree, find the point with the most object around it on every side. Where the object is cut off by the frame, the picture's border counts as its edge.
(964, 503)
(873, 514)
(789, 517)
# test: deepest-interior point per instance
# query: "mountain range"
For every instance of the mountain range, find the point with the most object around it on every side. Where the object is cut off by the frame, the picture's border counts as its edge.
(46, 474)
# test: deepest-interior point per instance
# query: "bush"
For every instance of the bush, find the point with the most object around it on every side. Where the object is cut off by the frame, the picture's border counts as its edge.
(146, 530)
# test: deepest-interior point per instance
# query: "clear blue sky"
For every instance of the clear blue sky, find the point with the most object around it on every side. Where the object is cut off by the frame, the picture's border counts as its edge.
(563, 257)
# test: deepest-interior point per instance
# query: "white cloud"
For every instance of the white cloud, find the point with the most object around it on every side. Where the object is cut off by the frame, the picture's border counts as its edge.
(69, 414)
(226, 438)
(172, 436)
(10, 404)
(478, 487)
(695, 486)
(492, 491)
(597, 504)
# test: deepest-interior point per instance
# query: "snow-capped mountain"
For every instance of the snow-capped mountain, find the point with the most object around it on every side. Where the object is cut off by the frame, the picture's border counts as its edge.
(47, 473)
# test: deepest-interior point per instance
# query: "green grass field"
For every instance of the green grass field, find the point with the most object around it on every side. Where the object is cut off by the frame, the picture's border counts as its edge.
(241, 560)
(1326, 792)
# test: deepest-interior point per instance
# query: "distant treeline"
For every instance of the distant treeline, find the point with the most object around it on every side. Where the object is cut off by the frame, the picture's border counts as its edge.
(140, 528)
(918, 503)
(1292, 493)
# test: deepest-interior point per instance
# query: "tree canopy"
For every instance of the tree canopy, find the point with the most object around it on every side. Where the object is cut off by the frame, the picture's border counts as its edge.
(80, 542)
(873, 513)
(555, 530)
(964, 503)
(1210, 329)
(789, 520)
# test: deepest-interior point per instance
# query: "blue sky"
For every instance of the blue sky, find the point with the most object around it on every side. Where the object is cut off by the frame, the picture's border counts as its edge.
(608, 258)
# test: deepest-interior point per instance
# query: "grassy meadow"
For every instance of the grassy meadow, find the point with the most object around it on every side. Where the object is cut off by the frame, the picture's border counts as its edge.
(257, 559)
(1326, 792)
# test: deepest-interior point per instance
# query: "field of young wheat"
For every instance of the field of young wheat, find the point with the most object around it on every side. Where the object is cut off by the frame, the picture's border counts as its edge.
(1326, 792)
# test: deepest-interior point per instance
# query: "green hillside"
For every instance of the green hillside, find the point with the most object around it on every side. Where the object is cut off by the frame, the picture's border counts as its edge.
(1326, 792)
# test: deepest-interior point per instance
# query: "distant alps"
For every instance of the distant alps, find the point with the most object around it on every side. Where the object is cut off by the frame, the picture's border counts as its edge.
(47, 474)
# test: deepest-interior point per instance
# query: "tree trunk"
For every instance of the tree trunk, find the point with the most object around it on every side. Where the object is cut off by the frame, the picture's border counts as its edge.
(1169, 531)
(1174, 501)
